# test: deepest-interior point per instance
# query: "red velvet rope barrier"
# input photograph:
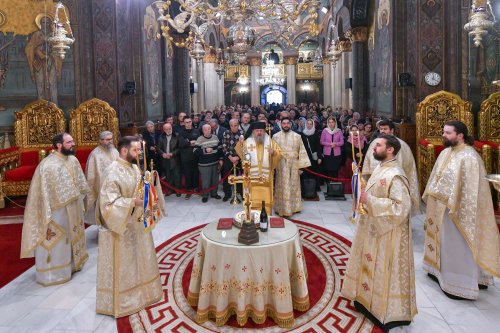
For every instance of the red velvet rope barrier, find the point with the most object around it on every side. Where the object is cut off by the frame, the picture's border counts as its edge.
(182, 191)
(327, 177)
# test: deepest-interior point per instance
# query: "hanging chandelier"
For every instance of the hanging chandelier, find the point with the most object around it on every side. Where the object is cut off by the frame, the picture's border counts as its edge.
(182, 16)
(481, 19)
(221, 65)
(334, 53)
(62, 36)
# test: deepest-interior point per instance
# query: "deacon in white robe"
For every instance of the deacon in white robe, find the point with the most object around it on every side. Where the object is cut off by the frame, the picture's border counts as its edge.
(380, 275)
(287, 197)
(128, 279)
(405, 160)
(264, 154)
(462, 243)
(99, 159)
(53, 229)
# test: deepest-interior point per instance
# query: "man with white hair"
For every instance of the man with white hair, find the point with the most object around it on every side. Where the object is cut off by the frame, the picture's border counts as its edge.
(151, 136)
(99, 159)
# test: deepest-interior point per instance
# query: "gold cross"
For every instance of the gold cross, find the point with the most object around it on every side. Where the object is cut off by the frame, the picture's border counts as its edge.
(251, 147)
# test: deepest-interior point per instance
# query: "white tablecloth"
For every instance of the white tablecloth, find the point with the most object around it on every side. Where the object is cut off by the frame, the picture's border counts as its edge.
(264, 279)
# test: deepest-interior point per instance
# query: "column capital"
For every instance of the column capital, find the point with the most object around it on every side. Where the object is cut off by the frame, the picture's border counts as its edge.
(256, 61)
(210, 58)
(290, 60)
(345, 46)
(359, 34)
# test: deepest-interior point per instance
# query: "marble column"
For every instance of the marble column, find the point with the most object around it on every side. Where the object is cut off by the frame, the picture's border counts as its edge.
(220, 90)
(338, 84)
(201, 86)
(181, 77)
(360, 69)
(346, 72)
(211, 79)
(327, 83)
(255, 64)
(291, 81)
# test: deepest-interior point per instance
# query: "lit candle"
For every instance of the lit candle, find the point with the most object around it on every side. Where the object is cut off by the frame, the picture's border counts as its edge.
(352, 145)
(359, 146)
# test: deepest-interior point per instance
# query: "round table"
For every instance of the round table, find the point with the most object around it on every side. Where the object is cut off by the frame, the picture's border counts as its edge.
(251, 281)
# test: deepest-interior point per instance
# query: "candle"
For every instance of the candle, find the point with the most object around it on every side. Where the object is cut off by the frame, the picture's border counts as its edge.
(359, 146)
(352, 146)
(144, 155)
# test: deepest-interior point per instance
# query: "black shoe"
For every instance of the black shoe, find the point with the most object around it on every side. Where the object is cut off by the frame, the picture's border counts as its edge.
(226, 198)
(218, 197)
(204, 200)
(177, 195)
(458, 298)
(482, 286)
(188, 196)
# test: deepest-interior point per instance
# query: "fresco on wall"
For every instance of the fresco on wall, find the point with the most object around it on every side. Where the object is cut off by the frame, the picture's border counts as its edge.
(380, 57)
(152, 65)
(28, 70)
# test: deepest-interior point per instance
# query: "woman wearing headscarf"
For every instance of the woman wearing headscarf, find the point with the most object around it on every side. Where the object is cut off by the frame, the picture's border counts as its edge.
(332, 141)
(310, 138)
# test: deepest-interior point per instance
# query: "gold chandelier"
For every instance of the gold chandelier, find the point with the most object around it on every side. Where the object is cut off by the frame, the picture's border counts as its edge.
(62, 36)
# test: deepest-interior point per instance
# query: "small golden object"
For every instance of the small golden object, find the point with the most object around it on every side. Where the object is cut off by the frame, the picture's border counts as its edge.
(494, 179)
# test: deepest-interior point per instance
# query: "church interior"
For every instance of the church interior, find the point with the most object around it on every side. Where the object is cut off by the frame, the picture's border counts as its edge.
(83, 67)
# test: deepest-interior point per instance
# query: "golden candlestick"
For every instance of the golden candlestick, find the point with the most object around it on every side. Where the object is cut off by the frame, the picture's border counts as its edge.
(360, 208)
(234, 200)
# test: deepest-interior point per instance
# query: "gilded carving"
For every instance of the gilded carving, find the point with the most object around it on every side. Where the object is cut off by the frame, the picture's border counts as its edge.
(345, 46)
(255, 61)
(489, 119)
(37, 123)
(359, 34)
(91, 118)
(210, 58)
(438, 108)
(306, 71)
(235, 71)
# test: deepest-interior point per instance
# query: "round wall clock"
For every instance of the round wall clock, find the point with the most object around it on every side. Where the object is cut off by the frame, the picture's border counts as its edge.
(432, 78)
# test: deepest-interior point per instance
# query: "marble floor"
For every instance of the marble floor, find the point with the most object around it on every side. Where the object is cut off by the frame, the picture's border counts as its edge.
(26, 306)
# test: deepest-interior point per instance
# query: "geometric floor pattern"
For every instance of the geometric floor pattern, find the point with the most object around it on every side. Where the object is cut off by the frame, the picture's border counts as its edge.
(331, 313)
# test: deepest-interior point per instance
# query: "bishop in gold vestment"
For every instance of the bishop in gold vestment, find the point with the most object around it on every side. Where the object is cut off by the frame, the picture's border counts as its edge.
(53, 229)
(99, 159)
(405, 160)
(462, 243)
(128, 278)
(264, 154)
(380, 275)
(287, 197)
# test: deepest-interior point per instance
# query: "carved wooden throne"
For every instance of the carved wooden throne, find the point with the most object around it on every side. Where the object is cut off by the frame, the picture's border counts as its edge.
(87, 122)
(489, 133)
(432, 113)
(36, 124)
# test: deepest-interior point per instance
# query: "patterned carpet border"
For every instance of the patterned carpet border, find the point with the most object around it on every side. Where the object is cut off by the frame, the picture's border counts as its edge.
(332, 313)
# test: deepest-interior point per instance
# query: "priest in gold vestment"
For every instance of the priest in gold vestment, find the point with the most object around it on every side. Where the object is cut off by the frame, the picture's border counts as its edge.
(462, 243)
(264, 154)
(406, 162)
(380, 275)
(287, 196)
(128, 279)
(99, 159)
(53, 229)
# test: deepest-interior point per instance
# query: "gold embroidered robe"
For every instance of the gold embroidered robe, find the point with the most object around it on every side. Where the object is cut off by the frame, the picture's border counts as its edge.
(99, 159)
(53, 229)
(407, 162)
(128, 279)
(287, 197)
(457, 184)
(380, 273)
(261, 164)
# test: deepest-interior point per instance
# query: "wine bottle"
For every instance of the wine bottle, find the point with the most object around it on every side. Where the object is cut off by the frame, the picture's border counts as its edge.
(263, 218)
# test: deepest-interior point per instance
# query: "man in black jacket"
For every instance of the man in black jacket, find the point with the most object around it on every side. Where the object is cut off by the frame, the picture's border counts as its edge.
(187, 139)
(168, 151)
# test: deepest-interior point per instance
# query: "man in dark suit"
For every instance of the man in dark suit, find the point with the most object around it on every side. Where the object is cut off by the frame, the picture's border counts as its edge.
(168, 151)
(274, 57)
(217, 129)
(151, 136)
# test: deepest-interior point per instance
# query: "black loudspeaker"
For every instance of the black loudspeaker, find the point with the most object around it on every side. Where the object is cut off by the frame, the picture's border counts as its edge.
(309, 188)
(129, 88)
(193, 88)
(404, 79)
(334, 191)
(348, 83)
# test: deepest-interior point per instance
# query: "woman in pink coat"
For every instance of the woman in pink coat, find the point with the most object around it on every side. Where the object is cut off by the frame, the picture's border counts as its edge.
(332, 140)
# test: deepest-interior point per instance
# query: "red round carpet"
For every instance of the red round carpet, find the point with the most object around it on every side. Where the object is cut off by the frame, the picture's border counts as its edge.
(326, 257)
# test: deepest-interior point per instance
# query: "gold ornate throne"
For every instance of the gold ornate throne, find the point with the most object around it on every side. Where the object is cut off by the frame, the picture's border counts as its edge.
(87, 122)
(489, 133)
(432, 113)
(35, 126)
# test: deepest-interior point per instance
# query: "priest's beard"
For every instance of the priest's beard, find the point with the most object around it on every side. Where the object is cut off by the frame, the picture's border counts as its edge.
(129, 158)
(67, 152)
(380, 157)
(259, 139)
(450, 143)
(286, 130)
(110, 146)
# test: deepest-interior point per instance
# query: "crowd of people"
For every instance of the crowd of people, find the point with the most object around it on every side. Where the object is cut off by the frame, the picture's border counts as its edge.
(192, 153)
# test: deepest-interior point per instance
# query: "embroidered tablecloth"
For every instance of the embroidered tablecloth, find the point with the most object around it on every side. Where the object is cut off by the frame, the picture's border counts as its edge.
(251, 281)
